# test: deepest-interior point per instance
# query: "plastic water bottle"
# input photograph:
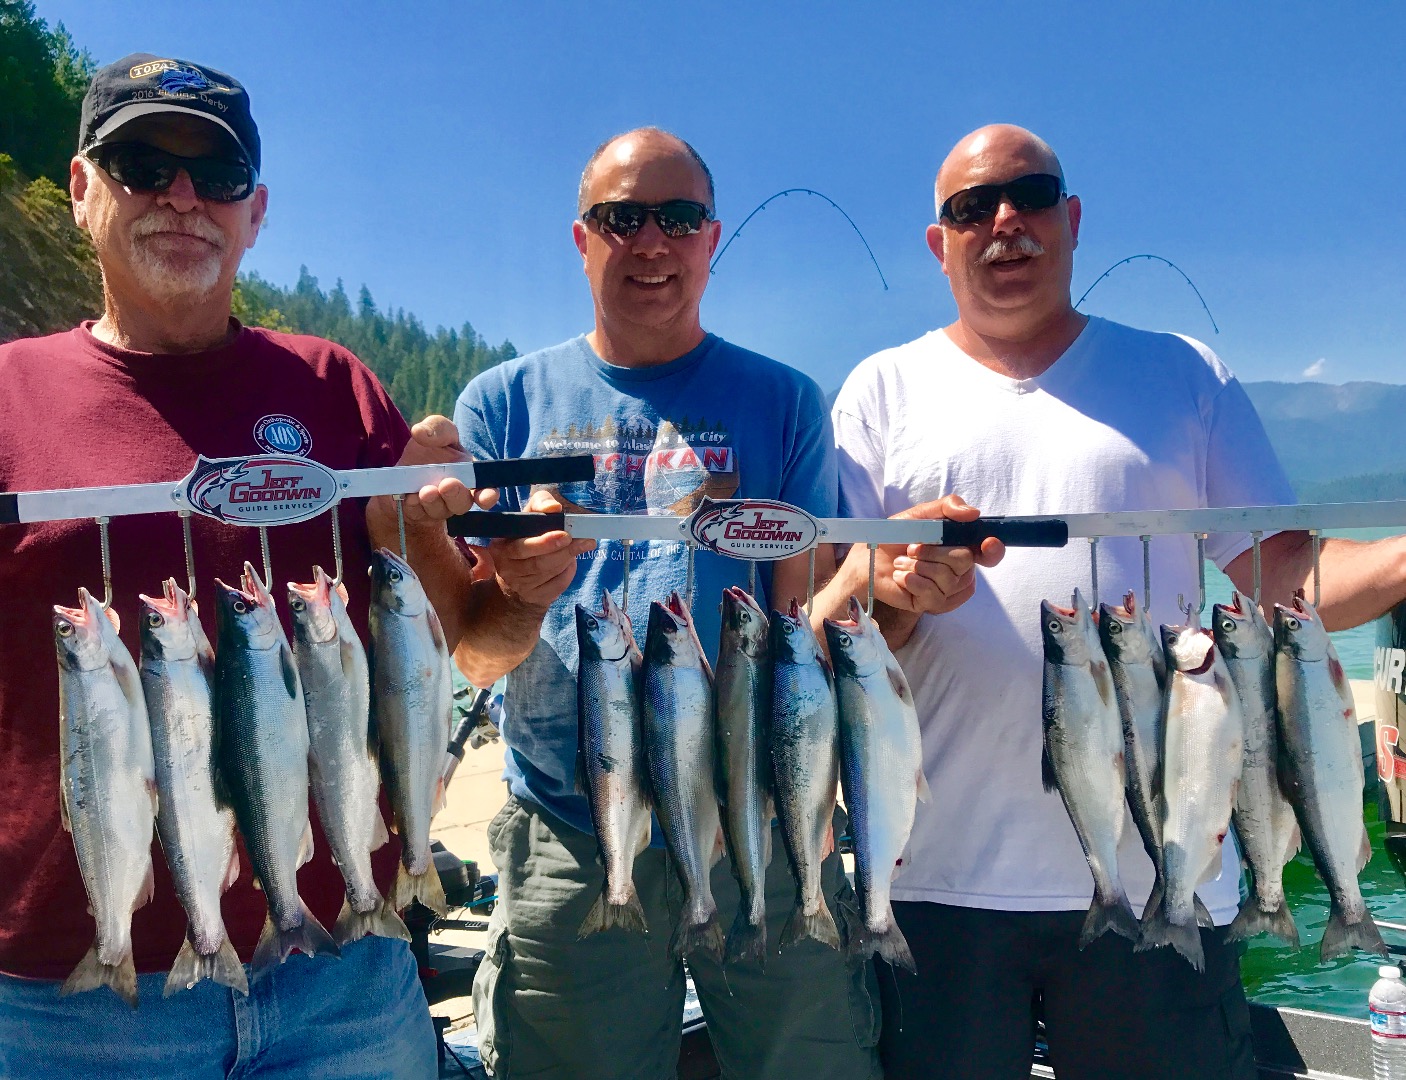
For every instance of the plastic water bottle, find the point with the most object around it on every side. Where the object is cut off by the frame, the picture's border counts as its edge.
(1387, 1008)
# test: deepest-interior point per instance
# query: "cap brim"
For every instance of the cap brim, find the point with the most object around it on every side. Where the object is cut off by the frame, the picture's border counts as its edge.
(135, 111)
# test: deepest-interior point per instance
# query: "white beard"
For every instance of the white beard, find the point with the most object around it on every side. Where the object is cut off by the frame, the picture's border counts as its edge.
(167, 281)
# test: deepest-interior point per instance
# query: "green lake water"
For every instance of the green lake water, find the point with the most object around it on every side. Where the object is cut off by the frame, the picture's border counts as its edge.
(1276, 974)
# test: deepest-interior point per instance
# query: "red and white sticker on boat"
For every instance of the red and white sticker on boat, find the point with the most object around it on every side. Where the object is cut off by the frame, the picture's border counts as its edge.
(264, 489)
(758, 529)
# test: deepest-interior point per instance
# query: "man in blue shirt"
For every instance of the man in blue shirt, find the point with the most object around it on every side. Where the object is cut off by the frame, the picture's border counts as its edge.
(671, 414)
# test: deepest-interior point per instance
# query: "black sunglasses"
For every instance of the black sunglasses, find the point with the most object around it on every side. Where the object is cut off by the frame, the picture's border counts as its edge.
(139, 167)
(1037, 191)
(675, 218)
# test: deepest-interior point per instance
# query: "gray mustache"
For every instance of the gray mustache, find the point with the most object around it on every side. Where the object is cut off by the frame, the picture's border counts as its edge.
(1003, 247)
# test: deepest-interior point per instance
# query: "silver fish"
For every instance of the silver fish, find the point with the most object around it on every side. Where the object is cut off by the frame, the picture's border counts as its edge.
(678, 739)
(1084, 757)
(1139, 671)
(1321, 771)
(107, 787)
(613, 773)
(805, 761)
(342, 763)
(197, 832)
(742, 696)
(1264, 820)
(881, 770)
(1202, 762)
(261, 736)
(412, 706)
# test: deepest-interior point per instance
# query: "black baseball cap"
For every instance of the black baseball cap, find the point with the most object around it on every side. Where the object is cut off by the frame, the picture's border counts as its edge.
(144, 85)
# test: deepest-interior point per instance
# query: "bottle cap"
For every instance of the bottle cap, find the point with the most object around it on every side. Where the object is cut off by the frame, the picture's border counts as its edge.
(1389, 971)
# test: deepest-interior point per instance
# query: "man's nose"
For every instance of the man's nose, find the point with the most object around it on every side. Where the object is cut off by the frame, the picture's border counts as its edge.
(650, 241)
(180, 196)
(1007, 220)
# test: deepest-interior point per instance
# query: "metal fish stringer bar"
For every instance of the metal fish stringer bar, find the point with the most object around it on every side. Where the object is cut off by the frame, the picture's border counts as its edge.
(189, 553)
(1093, 572)
(400, 522)
(869, 603)
(1256, 538)
(1146, 572)
(268, 560)
(106, 551)
(336, 516)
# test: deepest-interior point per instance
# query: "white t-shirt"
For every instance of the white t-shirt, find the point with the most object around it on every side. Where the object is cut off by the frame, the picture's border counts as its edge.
(1124, 420)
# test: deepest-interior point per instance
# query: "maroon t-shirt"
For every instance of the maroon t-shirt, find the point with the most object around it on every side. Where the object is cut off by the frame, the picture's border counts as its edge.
(75, 412)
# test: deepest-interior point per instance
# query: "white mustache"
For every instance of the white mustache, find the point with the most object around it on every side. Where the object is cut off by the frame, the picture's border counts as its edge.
(166, 221)
(1003, 247)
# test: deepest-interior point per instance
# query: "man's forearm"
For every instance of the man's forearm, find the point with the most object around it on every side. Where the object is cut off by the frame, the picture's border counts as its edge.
(1360, 580)
(499, 632)
(851, 578)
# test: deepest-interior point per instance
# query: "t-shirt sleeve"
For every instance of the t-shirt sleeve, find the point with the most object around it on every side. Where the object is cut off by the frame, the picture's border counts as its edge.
(860, 457)
(386, 429)
(478, 416)
(808, 478)
(1241, 467)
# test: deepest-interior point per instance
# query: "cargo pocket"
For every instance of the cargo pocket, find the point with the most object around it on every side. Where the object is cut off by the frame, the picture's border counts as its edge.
(863, 986)
(493, 1035)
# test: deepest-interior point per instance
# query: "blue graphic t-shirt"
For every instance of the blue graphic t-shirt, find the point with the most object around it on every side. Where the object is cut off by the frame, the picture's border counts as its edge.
(719, 421)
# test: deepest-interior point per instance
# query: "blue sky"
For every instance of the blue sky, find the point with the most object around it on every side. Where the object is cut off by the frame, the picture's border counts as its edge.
(431, 150)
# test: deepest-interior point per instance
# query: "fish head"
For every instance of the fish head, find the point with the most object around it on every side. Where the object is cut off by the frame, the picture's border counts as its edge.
(670, 637)
(744, 624)
(394, 586)
(314, 621)
(80, 635)
(1189, 649)
(169, 626)
(246, 616)
(854, 643)
(1064, 634)
(1298, 631)
(792, 641)
(1240, 629)
(604, 635)
(1120, 632)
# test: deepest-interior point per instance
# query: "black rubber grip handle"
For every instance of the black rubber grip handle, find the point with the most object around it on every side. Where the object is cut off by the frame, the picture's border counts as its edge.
(9, 509)
(520, 472)
(1043, 532)
(486, 525)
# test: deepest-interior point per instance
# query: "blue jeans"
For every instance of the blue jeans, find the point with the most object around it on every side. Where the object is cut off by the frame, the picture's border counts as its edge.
(361, 1016)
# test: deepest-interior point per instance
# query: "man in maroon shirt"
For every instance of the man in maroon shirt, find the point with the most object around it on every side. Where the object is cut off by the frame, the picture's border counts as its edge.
(166, 184)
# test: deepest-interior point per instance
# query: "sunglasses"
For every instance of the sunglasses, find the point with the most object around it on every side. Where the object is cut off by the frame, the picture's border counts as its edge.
(675, 218)
(139, 167)
(1037, 191)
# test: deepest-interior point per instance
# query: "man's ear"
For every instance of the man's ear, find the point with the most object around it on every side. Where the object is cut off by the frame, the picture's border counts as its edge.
(578, 234)
(258, 211)
(936, 239)
(78, 190)
(1076, 214)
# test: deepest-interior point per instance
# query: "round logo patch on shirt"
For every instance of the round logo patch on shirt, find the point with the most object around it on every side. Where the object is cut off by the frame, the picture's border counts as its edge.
(280, 434)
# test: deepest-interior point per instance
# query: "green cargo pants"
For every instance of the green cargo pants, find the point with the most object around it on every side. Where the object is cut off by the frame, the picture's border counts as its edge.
(552, 1007)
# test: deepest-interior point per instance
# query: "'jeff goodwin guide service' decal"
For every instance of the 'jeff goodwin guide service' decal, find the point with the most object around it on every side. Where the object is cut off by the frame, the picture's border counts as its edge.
(265, 489)
(760, 529)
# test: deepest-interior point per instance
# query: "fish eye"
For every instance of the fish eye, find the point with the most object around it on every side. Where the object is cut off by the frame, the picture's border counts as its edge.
(1227, 625)
(1054, 626)
(64, 629)
(240, 607)
(845, 639)
(154, 619)
(1115, 627)
(297, 603)
(393, 575)
(1292, 623)
(745, 616)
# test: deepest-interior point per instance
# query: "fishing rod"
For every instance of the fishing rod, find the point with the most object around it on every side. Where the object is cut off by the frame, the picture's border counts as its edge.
(1160, 259)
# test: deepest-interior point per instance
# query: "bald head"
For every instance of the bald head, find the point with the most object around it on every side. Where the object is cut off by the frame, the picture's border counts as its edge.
(994, 153)
(639, 144)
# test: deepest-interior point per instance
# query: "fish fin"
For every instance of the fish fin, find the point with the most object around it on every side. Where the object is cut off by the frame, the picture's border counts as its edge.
(64, 819)
(1341, 937)
(289, 669)
(148, 890)
(1115, 915)
(258, 883)
(1364, 852)
(745, 941)
(583, 787)
(341, 590)
(1157, 931)
(924, 792)
(1047, 770)
(1154, 898)
(1212, 869)
(719, 847)
(1252, 921)
(889, 944)
(154, 795)
(92, 973)
(425, 888)
(380, 921)
(899, 682)
(379, 835)
(1292, 843)
(766, 845)
(190, 968)
(1203, 916)
(705, 937)
(130, 682)
(373, 737)
(439, 796)
(436, 630)
(603, 915)
(305, 847)
(116, 621)
(820, 926)
(309, 937)
(232, 874)
(827, 845)
(347, 652)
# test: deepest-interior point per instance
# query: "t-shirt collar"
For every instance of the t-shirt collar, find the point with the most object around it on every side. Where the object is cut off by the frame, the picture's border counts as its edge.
(618, 374)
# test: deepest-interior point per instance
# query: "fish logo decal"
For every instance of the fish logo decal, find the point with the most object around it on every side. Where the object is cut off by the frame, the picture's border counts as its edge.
(265, 489)
(182, 80)
(759, 529)
(280, 434)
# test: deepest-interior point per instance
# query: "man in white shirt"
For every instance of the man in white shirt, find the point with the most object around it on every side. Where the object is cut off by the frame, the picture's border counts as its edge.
(1026, 406)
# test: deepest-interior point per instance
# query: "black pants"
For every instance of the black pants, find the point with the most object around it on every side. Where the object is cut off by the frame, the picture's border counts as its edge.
(1110, 1014)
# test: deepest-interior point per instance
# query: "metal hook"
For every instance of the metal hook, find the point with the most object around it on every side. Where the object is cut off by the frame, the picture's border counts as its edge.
(1317, 541)
(625, 580)
(752, 578)
(268, 561)
(190, 552)
(1093, 564)
(107, 562)
(810, 579)
(1146, 572)
(1255, 538)
(337, 543)
(688, 580)
(1189, 611)
(400, 523)
(869, 605)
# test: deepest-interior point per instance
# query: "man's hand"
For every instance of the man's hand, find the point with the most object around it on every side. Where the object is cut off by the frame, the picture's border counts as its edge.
(535, 571)
(433, 441)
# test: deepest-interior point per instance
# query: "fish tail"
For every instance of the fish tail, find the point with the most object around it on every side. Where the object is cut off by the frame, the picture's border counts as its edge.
(889, 944)
(1158, 930)
(380, 921)
(603, 915)
(309, 937)
(92, 973)
(1341, 937)
(1253, 920)
(705, 937)
(1154, 898)
(191, 967)
(1104, 915)
(820, 926)
(425, 888)
(746, 941)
